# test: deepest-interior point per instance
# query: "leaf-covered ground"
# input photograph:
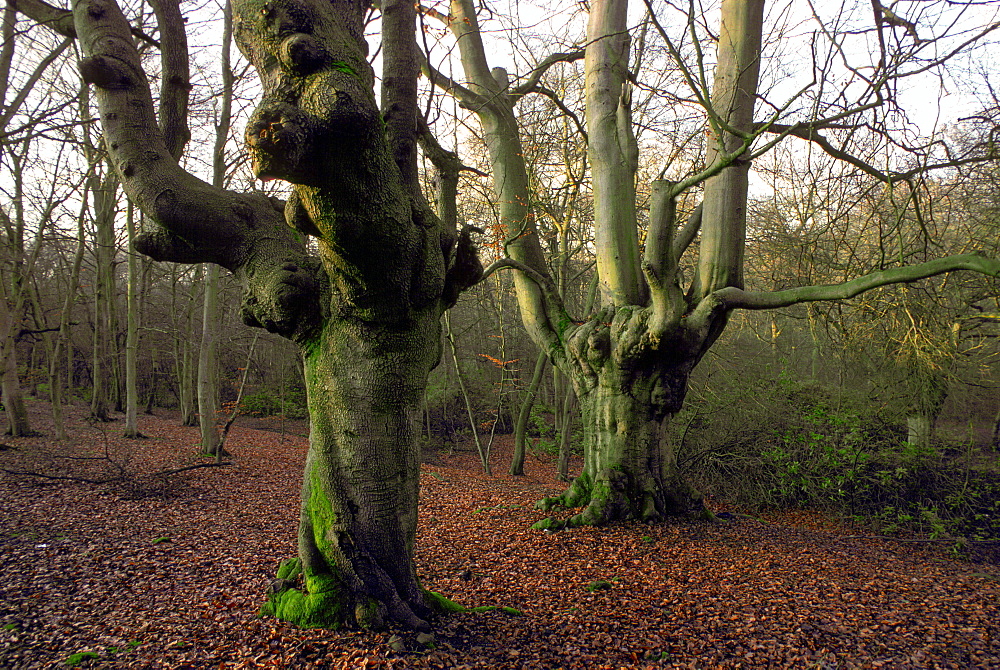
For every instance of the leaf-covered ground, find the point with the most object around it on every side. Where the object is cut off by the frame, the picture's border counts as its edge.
(170, 572)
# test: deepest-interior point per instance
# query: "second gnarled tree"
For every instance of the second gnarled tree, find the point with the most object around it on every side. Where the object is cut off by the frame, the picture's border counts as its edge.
(630, 360)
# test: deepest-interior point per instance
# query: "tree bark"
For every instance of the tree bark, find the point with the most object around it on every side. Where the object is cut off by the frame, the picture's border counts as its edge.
(524, 416)
(60, 368)
(630, 379)
(208, 354)
(13, 400)
(184, 367)
(613, 153)
(369, 330)
(105, 208)
(132, 335)
(720, 259)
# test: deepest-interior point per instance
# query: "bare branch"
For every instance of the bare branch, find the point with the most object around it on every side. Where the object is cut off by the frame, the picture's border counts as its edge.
(557, 101)
(810, 132)
(734, 298)
(530, 84)
(60, 21)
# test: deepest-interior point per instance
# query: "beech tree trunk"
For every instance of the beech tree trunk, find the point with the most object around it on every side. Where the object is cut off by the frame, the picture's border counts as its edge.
(365, 312)
(362, 477)
(208, 354)
(630, 381)
(132, 335)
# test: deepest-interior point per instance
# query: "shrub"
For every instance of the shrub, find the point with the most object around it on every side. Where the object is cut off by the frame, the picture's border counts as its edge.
(798, 444)
(265, 402)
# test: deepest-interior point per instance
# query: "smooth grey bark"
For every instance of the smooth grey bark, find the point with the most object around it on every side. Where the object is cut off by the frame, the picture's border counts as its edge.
(369, 331)
(131, 332)
(208, 354)
(613, 153)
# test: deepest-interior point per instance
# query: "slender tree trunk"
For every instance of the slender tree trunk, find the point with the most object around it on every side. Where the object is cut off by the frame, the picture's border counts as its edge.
(565, 433)
(154, 382)
(930, 392)
(212, 441)
(184, 331)
(13, 400)
(132, 334)
(995, 437)
(524, 416)
(208, 355)
(59, 381)
(484, 455)
(105, 202)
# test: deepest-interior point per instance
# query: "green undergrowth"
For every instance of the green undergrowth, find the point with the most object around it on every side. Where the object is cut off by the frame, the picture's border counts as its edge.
(84, 657)
(803, 446)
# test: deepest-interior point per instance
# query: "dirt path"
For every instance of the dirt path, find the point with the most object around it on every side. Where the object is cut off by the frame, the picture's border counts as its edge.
(174, 580)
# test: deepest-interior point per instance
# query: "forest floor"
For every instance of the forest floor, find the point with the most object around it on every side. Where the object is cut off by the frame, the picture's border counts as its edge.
(170, 572)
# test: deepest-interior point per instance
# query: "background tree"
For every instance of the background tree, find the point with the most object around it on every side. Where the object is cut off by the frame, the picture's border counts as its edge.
(27, 211)
(631, 359)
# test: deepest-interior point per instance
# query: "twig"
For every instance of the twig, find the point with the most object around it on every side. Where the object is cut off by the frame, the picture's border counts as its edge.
(85, 480)
(164, 473)
(42, 475)
(918, 540)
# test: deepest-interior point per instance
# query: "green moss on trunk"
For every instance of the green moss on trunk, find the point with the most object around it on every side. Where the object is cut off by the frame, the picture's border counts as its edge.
(630, 472)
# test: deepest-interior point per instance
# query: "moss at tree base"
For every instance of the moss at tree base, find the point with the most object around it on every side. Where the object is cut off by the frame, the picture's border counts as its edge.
(440, 604)
(611, 496)
(321, 605)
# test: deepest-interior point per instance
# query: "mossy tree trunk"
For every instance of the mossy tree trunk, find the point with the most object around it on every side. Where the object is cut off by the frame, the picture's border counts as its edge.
(359, 501)
(631, 377)
(369, 329)
(653, 327)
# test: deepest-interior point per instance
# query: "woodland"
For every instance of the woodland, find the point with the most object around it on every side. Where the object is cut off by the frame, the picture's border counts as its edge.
(486, 334)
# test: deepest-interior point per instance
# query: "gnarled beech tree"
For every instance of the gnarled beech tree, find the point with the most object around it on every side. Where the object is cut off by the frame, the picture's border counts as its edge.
(365, 311)
(631, 359)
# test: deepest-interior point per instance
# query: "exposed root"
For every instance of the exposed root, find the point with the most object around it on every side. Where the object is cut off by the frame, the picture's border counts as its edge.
(613, 496)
